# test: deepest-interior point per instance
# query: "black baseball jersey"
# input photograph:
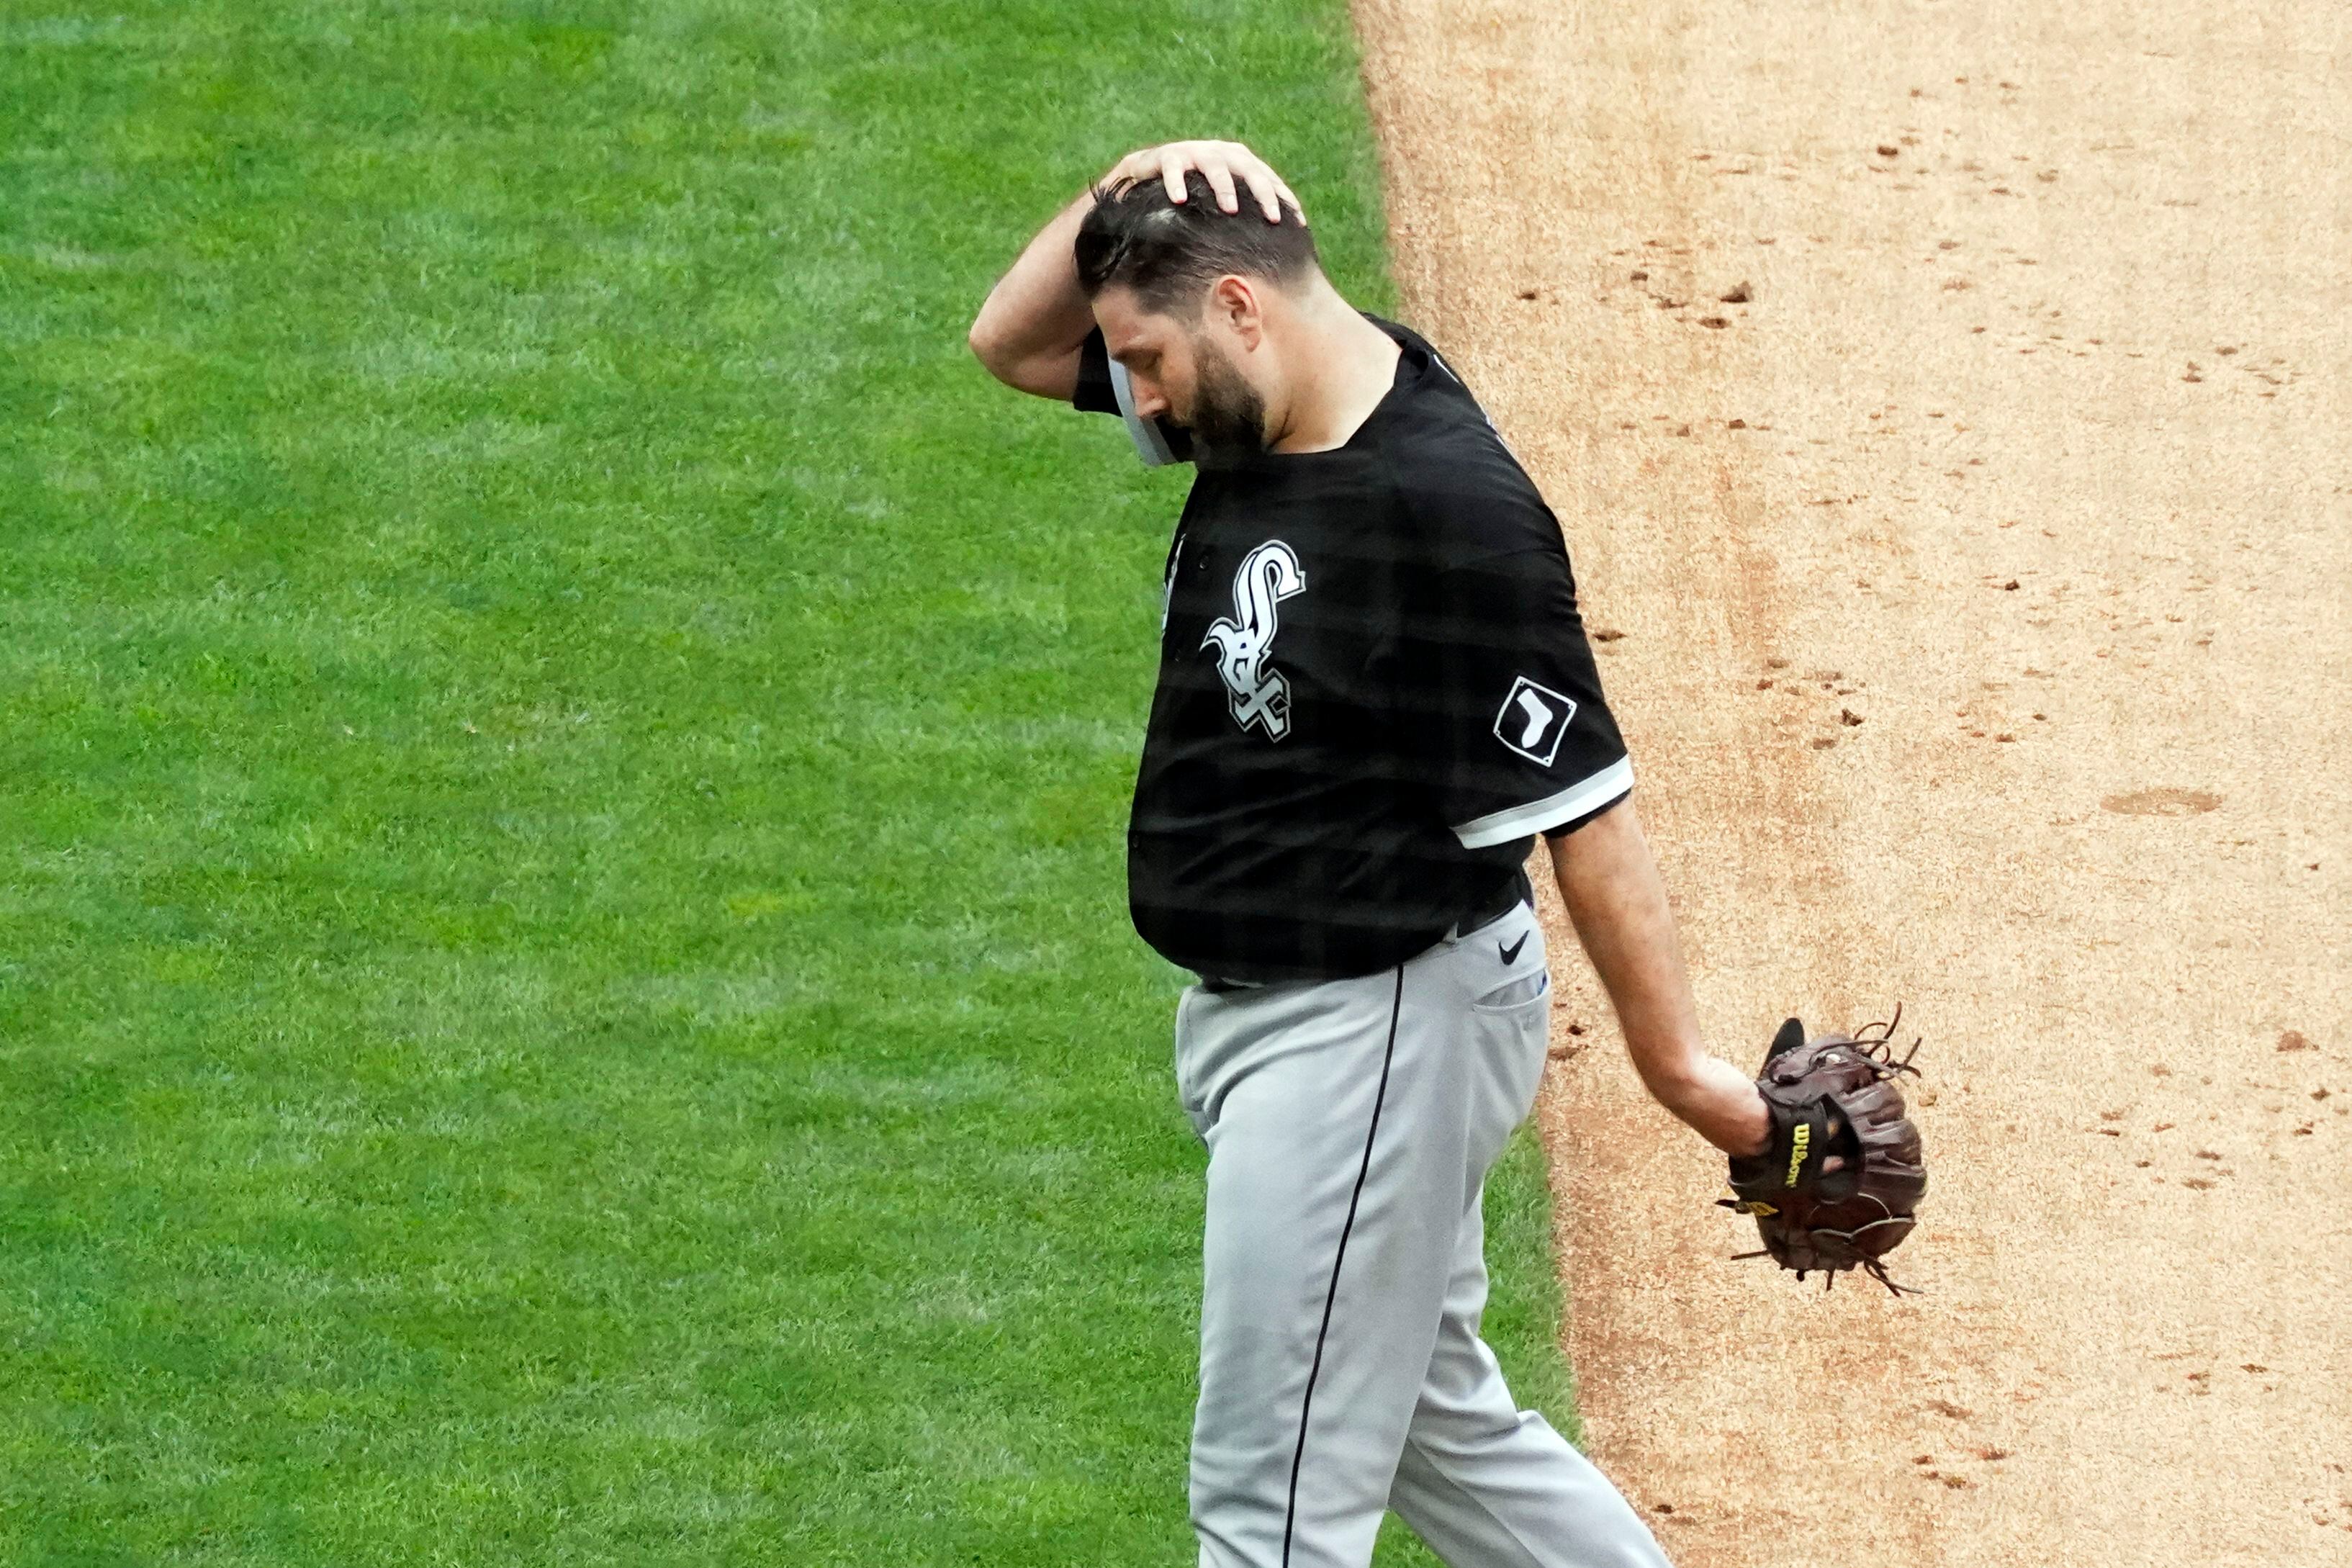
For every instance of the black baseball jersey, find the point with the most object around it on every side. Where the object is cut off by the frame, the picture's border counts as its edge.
(1374, 689)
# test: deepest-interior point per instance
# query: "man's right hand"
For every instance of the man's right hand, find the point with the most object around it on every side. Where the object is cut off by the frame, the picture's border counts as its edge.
(1223, 164)
(1030, 329)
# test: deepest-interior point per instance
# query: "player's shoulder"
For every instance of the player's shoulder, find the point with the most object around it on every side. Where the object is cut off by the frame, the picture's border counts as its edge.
(1455, 479)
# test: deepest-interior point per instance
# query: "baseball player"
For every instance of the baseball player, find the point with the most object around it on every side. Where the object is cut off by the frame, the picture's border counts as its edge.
(1374, 695)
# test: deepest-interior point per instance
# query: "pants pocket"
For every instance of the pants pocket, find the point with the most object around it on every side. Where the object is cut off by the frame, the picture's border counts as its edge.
(1513, 995)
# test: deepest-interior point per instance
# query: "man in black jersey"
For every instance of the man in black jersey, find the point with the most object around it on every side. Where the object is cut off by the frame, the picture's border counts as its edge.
(1374, 694)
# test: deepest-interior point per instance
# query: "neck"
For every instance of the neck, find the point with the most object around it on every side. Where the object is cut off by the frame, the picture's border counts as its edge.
(1341, 366)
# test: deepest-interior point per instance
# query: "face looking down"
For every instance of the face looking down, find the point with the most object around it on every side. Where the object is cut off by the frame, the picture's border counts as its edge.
(1188, 374)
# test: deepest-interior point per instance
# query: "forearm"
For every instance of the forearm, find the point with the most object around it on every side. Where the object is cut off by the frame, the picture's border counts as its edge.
(1618, 904)
(1028, 331)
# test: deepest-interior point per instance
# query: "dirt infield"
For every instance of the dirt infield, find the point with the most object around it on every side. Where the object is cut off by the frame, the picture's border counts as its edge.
(1947, 408)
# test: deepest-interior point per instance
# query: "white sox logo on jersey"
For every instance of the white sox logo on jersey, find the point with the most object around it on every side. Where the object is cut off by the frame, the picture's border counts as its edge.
(1533, 720)
(1268, 576)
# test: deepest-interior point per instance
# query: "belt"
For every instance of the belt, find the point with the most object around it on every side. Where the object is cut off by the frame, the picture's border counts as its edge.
(1516, 891)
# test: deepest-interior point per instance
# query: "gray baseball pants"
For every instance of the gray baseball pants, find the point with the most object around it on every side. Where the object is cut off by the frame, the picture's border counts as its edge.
(1350, 1125)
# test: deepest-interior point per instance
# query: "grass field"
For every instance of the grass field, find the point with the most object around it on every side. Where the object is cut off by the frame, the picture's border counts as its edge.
(564, 986)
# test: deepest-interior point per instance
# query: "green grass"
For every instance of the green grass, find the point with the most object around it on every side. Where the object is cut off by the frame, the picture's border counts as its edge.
(564, 987)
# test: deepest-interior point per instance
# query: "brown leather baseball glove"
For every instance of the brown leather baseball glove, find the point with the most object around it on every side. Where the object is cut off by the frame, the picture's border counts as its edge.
(1839, 1185)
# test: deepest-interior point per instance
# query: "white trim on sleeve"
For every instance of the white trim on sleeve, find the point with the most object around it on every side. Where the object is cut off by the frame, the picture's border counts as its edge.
(1576, 800)
(1150, 445)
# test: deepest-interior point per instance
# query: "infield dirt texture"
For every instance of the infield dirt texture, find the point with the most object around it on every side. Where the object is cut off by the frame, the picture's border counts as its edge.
(1947, 404)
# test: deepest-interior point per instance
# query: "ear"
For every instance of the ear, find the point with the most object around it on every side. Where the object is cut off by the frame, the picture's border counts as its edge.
(1792, 1036)
(1234, 305)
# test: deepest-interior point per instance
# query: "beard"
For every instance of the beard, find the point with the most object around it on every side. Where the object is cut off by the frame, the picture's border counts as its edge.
(1228, 422)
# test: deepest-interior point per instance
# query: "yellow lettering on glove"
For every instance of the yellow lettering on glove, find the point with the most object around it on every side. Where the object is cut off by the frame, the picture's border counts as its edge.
(1804, 1135)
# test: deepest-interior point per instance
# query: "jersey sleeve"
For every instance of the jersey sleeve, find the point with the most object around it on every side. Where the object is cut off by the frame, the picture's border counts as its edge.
(1501, 699)
(1103, 388)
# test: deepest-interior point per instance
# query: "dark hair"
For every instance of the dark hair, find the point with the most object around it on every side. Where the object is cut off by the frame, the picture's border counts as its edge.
(1137, 237)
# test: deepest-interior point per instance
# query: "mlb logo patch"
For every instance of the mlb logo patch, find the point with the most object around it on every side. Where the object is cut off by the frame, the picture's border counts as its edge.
(1533, 720)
